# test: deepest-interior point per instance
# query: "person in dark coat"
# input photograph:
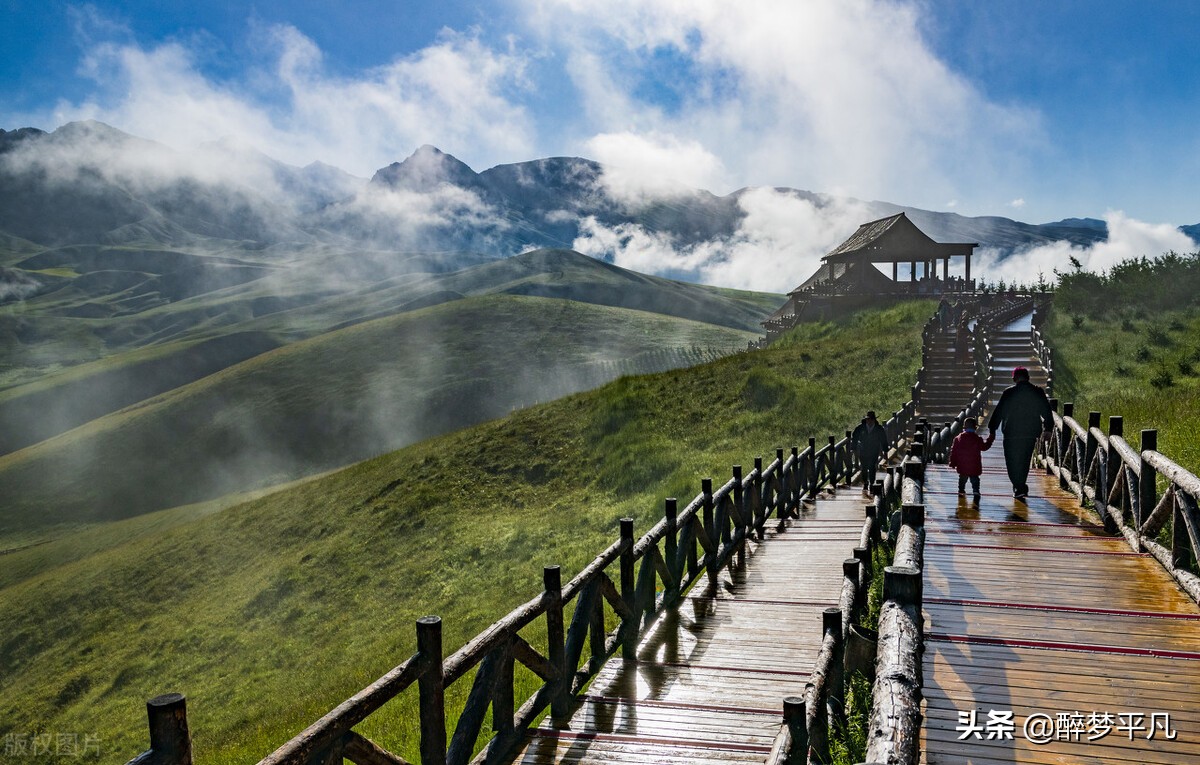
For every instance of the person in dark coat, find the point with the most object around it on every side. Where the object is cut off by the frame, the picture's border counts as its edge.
(1023, 413)
(870, 443)
(966, 457)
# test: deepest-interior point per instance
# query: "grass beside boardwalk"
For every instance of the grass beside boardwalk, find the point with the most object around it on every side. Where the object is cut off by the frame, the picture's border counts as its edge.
(269, 613)
(1145, 369)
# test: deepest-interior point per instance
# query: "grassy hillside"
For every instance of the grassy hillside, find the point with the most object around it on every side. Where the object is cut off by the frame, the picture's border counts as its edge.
(1127, 342)
(338, 398)
(1145, 369)
(268, 613)
(118, 325)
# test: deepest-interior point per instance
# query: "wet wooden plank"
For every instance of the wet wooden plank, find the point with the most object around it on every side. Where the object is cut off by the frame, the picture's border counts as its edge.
(710, 677)
(1013, 592)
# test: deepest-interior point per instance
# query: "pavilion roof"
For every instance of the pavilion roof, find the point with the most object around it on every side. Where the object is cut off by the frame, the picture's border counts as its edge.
(894, 239)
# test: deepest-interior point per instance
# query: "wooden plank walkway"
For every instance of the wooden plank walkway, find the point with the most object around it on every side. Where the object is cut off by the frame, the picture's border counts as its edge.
(1031, 608)
(710, 678)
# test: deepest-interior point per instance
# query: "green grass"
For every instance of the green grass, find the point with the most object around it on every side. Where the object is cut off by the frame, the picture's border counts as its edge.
(268, 613)
(335, 399)
(1098, 368)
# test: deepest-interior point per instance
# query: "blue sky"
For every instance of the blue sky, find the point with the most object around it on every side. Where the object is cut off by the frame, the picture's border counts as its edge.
(1032, 110)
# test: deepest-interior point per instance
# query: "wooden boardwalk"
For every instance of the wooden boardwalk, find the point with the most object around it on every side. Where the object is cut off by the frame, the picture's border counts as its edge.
(710, 677)
(1030, 608)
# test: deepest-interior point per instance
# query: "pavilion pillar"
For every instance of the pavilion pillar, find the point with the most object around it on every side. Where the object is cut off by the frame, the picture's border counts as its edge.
(912, 271)
(895, 270)
(968, 277)
(946, 269)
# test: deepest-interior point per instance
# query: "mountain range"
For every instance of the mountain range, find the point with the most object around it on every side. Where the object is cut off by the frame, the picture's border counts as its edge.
(88, 183)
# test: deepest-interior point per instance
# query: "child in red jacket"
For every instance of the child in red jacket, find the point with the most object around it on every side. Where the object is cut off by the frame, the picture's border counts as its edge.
(965, 456)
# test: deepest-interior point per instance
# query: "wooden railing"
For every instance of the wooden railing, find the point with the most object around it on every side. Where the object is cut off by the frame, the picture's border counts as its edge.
(1121, 483)
(804, 735)
(637, 578)
(894, 723)
(1040, 347)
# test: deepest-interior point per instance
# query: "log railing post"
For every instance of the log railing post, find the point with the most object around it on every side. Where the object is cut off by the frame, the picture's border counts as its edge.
(1089, 454)
(629, 624)
(812, 468)
(794, 484)
(796, 720)
(779, 501)
(555, 646)
(835, 695)
(835, 463)
(739, 514)
(671, 541)
(926, 440)
(757, 514)
(169, 738)
(1147, 490)
(852, 575)
(1065, 438)
(431, 691)
(851, 460)
(863, 555)
(710, 528)
(876, 527)
(1116, 427)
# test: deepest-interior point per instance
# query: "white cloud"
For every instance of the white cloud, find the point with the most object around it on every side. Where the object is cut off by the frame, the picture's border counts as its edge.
(1127, 238)
(638, 167)
(841, 95)
(1017, 203)
(778, 244)
(457, 93)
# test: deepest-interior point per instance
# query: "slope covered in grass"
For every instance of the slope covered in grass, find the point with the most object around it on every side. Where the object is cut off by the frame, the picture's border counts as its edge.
(338, 398)
(1127, 342)
(1145, 369)
(269, 613)
(111, 334)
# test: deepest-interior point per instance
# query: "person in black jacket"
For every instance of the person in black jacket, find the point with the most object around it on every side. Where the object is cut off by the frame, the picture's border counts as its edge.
(1024, 413)
(870, 442)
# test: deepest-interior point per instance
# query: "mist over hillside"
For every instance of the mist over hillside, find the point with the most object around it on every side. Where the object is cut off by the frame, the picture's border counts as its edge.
(153, 300)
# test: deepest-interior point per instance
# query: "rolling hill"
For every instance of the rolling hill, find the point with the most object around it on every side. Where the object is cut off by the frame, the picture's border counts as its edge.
(336, 398)
(268, 613)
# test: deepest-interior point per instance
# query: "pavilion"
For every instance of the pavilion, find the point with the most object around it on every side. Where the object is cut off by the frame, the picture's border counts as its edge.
(848, 275)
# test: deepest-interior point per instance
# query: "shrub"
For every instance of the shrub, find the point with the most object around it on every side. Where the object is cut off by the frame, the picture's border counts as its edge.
(1176, 326)
(1077, 322)
(1143, 353)
(1127, 325)
(1185, 368)
(1122, 371)
(1157, 335)
(1162, 379)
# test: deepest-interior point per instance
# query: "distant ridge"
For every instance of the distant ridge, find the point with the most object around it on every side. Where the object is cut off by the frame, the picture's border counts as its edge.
(508, 208)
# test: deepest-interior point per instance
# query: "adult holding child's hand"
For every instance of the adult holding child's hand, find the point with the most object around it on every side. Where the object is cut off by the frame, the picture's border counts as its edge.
(1024, 414)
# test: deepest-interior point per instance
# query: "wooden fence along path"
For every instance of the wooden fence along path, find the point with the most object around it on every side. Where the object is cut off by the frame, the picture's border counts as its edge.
(1062, 629)
(717, 636)
(1048, 639)
(709, 679)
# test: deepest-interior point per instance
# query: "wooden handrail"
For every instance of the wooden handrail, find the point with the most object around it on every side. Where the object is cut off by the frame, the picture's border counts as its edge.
(706, 536)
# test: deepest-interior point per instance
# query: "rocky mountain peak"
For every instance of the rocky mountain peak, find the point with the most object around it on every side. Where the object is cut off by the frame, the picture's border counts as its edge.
(425, 169)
